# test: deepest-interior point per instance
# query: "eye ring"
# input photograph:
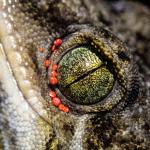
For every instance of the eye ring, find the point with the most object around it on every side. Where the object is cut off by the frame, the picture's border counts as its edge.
(109, 47)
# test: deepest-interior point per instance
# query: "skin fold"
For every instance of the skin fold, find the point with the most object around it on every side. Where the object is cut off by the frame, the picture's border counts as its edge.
(28, 120)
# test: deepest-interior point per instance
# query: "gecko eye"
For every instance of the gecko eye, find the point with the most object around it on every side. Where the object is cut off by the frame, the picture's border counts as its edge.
(82, 76)
(94, 70)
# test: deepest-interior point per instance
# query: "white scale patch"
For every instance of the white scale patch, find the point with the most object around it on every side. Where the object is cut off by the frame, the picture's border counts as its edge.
(76, 143)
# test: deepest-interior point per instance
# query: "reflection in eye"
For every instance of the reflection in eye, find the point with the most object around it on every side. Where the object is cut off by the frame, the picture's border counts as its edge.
(92, 77)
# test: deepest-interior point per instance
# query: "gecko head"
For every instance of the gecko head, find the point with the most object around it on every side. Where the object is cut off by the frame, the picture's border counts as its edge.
(75, 76)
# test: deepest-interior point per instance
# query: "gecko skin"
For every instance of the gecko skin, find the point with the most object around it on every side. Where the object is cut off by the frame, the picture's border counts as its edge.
(120, 120)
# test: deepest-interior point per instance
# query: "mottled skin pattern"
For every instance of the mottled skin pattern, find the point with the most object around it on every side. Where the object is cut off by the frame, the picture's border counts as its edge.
(41, 126)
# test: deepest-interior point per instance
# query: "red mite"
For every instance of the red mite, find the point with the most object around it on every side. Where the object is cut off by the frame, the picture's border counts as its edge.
(63, 108)
(56, 101)
(47, 63)
(66, 109)
(57, 42)
(52, 94)
(53, 73)
(53, 80)
(54, 67)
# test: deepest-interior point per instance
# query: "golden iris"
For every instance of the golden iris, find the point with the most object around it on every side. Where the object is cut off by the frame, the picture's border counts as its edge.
(83, 77)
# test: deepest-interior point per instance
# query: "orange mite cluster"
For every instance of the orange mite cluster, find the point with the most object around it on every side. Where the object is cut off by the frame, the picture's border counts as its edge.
(57, 102)
(53, 79)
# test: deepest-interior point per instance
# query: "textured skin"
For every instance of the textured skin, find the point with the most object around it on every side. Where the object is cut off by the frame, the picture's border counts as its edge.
(28, 121)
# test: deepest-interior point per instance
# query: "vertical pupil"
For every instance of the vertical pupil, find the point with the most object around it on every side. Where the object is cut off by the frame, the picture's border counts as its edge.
(82, 76)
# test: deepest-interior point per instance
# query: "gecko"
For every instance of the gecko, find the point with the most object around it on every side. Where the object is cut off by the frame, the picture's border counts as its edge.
(101, 50)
